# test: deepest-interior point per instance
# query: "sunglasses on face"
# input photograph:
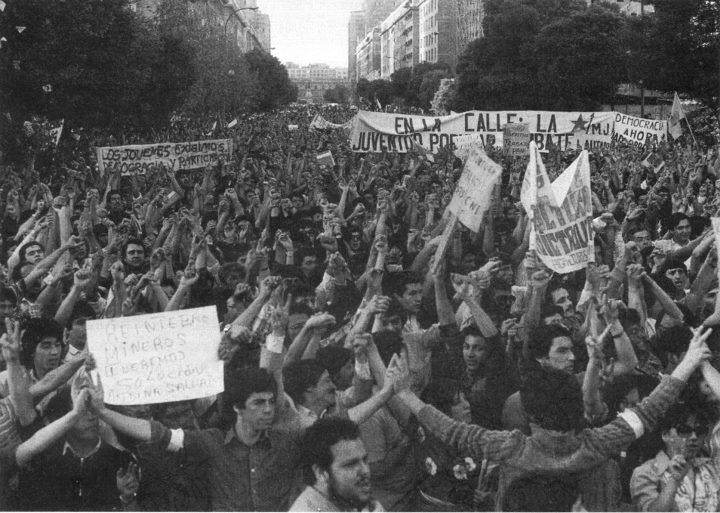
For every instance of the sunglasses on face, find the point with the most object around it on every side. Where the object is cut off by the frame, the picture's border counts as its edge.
(699, 430)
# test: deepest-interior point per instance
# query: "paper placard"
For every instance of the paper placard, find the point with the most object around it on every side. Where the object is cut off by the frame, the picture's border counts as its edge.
(473, 193)
(516, 139)
(157, 358)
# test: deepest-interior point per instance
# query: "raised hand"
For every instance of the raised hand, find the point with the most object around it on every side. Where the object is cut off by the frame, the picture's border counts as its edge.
(10, 341)
(320, 320)
(269, 284)
(82, 279)
(398, 374)
(128, 482)
(117, 271)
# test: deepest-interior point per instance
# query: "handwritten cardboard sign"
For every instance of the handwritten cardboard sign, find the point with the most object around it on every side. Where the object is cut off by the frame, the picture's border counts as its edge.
(157, 358)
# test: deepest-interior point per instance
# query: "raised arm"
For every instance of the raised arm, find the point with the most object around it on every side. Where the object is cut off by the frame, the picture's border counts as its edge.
(18, 382)
(51, 433)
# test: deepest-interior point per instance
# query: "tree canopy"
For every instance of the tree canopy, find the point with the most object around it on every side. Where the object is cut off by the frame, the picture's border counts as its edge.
(562, 54)
(96, 62)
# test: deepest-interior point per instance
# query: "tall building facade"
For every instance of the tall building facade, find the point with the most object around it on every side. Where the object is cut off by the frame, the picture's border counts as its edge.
(399, 40)
(437, 31)
(361, 24)
(469, 22)
(356, 31)
(240, 20)
(377, 10)
(367, 56)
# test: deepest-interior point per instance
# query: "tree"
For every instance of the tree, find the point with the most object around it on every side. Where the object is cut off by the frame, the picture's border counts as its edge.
(579, 60)
(408, 84)
(83, 60)
(337, 94)
(444, 97)
(498, 71)
(429, 85)
(683, 48)
(518, 64)
(274, 86)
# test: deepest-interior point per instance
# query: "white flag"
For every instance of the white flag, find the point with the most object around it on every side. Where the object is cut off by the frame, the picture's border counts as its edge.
(676, 114)
(47, 88)
(561, 230)
(57, 132)
(232, 123)
(2, 5)
(20, 29)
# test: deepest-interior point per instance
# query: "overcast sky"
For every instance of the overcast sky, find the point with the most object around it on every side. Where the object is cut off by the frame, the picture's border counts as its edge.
(310, 31)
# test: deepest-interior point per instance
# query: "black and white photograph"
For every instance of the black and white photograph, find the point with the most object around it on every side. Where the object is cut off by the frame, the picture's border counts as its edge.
(359, 255)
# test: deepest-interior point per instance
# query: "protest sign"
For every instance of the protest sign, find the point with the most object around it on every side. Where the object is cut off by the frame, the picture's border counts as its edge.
(653, 161)
(676, 115)
(140, 159)
(516, 139)
(325, 159)
(378, 132)
(562, 230)
(638, 131)
(473, 193)
(157, 358)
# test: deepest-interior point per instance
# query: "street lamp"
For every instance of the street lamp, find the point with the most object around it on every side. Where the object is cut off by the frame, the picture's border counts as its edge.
(235, 11)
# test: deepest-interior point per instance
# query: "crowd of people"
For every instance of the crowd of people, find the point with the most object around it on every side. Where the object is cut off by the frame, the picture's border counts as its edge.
(359, 373)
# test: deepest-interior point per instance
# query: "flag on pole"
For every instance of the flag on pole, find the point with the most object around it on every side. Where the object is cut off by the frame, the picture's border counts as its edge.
(676, 114)
(232, 123)
(2, 5)
(325, 159)
(20, 29)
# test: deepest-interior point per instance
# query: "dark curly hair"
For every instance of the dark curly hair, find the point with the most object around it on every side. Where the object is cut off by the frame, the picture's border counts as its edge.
(552, 398)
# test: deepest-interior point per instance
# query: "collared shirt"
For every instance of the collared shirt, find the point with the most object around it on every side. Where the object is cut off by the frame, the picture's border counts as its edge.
(312, 500)
(68, 448)
(259, 477)
(647, 480)
(698, 490)
(307, 416)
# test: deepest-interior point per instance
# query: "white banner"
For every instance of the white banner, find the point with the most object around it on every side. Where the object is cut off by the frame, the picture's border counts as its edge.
(639, 131)
(473, 192)
(562, 229)
(157, 358)
(140, 159)
(320, 123)
(378, 131)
